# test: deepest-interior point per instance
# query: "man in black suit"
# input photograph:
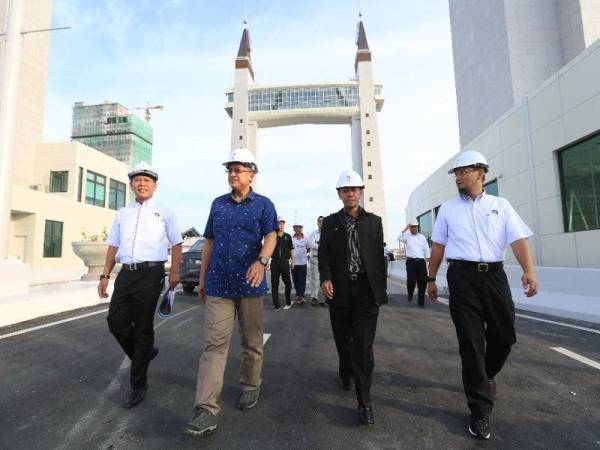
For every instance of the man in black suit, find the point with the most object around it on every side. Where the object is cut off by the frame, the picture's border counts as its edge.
(353, 279)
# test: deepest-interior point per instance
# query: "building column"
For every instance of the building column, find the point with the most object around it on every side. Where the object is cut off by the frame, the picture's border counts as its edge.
(9, 89)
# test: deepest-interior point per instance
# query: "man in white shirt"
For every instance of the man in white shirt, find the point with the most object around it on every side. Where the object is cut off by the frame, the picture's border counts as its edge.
(139, 240)
(473, 230)
(300, 262)
(417, 253)
(313, 265)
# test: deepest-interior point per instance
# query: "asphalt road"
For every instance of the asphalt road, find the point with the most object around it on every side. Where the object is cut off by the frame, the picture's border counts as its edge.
(63, 386)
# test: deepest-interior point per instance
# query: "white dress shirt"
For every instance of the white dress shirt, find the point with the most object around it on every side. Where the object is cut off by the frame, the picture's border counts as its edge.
(478, 230)
(313, 243)
(143, 232)
(300, 253)
(415, 245)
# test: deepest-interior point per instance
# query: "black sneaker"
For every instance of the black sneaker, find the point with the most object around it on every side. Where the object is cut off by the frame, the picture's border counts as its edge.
(409, 298)
(480, 427)
(202, 423)
(276, 308)
(249, 399)
(314, 302)
(492, 387)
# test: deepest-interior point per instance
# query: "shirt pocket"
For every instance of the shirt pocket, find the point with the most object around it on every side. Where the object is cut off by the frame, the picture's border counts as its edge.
(495, 228)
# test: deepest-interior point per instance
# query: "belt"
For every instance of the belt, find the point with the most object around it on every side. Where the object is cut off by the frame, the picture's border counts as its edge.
(414, 259)
(142, 265)
(357, 276)
(476, 266)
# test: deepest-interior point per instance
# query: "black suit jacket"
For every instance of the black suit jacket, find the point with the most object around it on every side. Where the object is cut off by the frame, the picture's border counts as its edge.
(333, 257)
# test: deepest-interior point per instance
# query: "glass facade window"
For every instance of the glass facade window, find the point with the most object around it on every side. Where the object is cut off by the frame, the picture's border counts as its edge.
(580, 185)
(491, 187)
(53, 233)
(116, 195)
(426, 225)
(59, 181)
(229, 97)
(303, 97)
(95, 189)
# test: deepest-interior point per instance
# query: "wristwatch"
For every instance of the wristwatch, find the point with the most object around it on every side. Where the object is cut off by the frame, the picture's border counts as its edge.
(102, 277)
(263, 260)
(431, 279)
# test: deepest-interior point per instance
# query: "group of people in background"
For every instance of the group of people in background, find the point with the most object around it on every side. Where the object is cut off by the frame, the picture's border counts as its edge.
(298, 254)
(347, 269)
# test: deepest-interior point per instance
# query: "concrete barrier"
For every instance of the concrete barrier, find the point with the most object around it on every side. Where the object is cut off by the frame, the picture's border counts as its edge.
(572, 293)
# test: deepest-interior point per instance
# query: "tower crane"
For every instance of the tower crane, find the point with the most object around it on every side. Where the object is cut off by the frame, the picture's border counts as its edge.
(147, 109)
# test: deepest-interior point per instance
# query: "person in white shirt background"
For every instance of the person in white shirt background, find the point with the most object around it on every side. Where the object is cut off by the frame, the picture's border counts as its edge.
(473, 231)
(139, 239)
(313, 266)
(300, 262)
(417, 253)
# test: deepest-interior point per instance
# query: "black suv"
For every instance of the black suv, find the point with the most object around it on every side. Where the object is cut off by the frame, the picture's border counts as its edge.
(189, 270)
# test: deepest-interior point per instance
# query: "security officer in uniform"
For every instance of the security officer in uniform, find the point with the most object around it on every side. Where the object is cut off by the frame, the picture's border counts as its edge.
(353, 279)
(139, 240)
(473, 231)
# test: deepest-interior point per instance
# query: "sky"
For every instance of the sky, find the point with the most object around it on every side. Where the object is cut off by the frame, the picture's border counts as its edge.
(180, 54)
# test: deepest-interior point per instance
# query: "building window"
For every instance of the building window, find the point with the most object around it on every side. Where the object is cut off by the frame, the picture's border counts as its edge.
(491, 187)
(426, 225)
(368, 131)
(369, 163)
(370, 199)
(80, 184)
(53, 239)
(95, 189)
(241, 138)
(241, 120)
(59, 181)
(366, 114)
(370, 177)
(368, 143)
(116, 195)
(579, 168)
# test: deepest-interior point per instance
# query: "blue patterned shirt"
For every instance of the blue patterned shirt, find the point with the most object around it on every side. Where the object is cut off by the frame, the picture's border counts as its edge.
(237, 230)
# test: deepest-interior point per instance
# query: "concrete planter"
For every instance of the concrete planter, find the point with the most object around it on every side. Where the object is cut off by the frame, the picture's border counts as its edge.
(93, 255)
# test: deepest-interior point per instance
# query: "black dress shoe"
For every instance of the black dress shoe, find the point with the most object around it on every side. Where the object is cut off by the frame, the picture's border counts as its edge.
(365, 415)
(134, 397)
(346, 383)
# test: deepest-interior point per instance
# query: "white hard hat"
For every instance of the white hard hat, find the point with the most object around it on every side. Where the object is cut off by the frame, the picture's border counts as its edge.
(143, 168)
(470, 158)
(349, 178)
(413, 223)
(242, 156)
(280, 219)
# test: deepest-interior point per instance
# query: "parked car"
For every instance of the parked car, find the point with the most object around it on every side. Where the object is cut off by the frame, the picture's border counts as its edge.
(189, 270)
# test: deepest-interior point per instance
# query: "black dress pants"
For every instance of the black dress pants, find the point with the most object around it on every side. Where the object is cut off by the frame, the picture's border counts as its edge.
(131, 317)
(280, 267)
(354, 324)
(483, 313)
(416, 272)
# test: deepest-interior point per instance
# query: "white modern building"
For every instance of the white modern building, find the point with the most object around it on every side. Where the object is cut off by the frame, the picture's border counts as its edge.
(505, 49)
(49, 193)
(355, 103)
(544, 157)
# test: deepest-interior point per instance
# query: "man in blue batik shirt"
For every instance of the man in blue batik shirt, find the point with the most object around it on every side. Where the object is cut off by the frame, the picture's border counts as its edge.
(240, 238)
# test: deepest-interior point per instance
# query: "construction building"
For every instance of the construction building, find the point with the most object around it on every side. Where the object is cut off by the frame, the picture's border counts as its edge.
(111, 129)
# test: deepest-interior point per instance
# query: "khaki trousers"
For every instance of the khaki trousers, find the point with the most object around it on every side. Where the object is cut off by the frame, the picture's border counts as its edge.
(313, 272)
(218, 322)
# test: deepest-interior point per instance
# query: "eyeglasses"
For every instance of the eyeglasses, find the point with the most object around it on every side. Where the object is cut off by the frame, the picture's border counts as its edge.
(237, 171)
(462, 171)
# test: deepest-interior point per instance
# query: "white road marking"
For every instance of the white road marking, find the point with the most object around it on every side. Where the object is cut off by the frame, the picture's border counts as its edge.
(577, 357)
(577, 327)
(266, 337)
(525, 316)
(51, 324)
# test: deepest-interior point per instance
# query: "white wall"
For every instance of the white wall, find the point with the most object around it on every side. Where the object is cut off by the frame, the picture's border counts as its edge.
(523, 157)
